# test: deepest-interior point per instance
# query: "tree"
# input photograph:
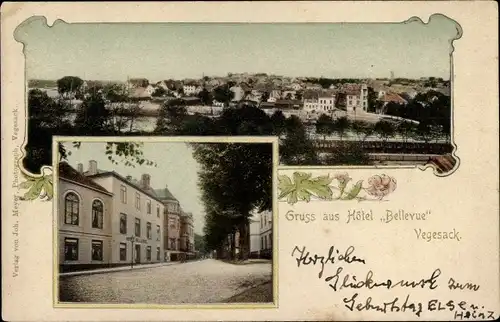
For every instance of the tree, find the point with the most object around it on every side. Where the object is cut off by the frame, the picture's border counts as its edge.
(360, 128)
(47, 117)
(384, 129)
(69, 85)
(405, 129)
(159, 92)
(324, 125)
(171, 116)
(341, 126)
(235, 179)
(198, 125)
(348, 153)
(93, 117)
(374, 104)
(223, 93)
(296, 148)
(199, 243)
(278, 120)
(264, 97)
(205, 97)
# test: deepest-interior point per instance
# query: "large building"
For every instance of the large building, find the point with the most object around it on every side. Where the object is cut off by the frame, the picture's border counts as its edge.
(266, 234)
(178, 241)
(187, 234)
(107, 220)
(136, 223)
(85, 211)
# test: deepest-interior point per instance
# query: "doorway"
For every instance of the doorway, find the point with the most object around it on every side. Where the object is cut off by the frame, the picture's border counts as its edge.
(137, 258)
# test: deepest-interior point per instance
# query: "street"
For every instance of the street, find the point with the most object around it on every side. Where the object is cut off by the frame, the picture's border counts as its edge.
(205, 281)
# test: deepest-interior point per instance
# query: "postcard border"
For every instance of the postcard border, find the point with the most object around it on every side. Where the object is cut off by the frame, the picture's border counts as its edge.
(166, 139)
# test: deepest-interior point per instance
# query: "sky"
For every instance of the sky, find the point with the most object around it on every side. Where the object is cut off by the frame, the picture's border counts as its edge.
(176, 168)
(159, 51)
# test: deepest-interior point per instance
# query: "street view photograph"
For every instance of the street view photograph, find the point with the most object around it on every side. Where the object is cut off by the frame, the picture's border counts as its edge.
(159, 222)
(334, 94)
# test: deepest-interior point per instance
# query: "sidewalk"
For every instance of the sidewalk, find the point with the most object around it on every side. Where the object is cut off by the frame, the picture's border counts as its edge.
(116, 269)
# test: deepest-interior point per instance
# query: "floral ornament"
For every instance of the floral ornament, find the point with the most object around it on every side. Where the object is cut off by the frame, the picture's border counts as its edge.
(41, 187)
(381, 185)
(302, 186)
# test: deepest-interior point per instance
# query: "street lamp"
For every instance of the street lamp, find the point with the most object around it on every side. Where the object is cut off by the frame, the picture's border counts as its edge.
(131, 239)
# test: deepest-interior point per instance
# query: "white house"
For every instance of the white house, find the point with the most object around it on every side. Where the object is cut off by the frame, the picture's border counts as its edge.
(266, 234)
(84, 215)
(255, 234)
(136, 224)
(191, 89)
(216, 103)
(319, 102)
(296, 86)
(239, 93)
(356, 97)
(150, 89)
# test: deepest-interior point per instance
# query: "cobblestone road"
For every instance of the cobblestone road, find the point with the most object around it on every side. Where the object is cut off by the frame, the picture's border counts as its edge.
(206, 281)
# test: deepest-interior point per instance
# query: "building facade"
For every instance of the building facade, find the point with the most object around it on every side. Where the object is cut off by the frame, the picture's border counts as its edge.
(136, 223)
(85, 211)
(266, 234)
(187, 235)
(255, 235)
(171, 225)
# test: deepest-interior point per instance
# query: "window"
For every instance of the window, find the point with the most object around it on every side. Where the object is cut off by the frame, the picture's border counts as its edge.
(172, 243)
(97, 214)
(148, 230)
(137, 227)
(123, 251)
(123, 223)
(157, 253)
(97, 250)
(71, 209)
(137, 201)
(158, 232)
(70, 249)
(271, 240)
(148, 206)
(158, 211)
(123, 194)
(148, 253)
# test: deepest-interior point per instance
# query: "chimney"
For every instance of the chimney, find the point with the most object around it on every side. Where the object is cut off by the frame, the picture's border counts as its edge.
(146, 180)
(80, 167)
(129, 178)
(92, 167)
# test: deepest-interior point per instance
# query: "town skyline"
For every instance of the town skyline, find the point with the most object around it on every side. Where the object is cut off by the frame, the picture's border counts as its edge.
(190, 50)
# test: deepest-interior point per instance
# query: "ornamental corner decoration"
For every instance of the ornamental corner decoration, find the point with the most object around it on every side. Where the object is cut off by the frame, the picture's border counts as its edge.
(39, 187)
(302, 186)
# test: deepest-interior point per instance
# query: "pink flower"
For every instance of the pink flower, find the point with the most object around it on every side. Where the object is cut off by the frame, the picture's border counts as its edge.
(343, 178)
(381, 185)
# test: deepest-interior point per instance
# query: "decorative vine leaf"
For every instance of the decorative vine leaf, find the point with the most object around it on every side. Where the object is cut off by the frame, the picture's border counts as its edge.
(34, 192)
(303, 187)
(26, 184)
(353, 193)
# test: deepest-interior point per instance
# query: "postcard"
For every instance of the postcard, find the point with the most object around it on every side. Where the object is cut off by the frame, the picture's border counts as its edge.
(250, 161)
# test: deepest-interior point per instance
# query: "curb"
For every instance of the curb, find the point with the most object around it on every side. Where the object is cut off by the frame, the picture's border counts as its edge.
(114, 270)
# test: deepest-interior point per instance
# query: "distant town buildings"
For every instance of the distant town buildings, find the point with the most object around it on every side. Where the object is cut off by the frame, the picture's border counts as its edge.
(106, 220)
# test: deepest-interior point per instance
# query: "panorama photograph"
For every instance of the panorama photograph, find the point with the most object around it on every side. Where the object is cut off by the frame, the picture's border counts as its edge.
(334, 94)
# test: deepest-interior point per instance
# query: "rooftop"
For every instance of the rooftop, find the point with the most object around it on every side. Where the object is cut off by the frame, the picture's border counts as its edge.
(165, 194)
(68, 172)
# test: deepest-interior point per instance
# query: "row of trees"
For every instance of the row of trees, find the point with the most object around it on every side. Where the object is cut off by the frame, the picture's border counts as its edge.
(94, 117)
(235, 180)
(383, 129)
